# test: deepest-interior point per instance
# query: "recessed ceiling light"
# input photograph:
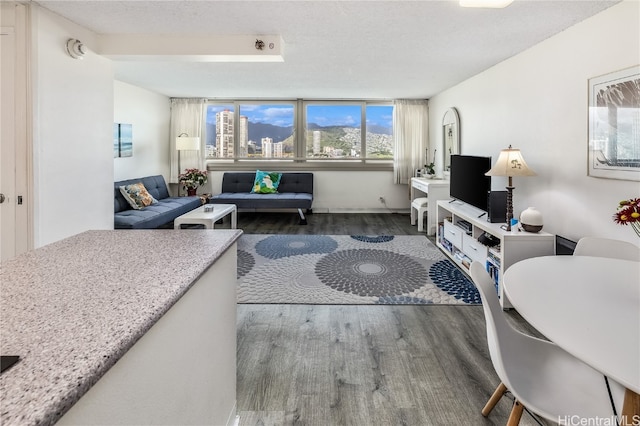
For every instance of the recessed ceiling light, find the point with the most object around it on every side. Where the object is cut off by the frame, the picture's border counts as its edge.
(486, 3)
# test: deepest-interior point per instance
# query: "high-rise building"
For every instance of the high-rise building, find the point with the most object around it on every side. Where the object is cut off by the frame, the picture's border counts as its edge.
(267, 147)
(271, 149)
(224, 134)
(316, 142)
(244, 136)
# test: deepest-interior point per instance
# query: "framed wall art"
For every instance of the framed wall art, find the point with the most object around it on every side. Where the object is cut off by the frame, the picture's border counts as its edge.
(614, 125)
(122, 140)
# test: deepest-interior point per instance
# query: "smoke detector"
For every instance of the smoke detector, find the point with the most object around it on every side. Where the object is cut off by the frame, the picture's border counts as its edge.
(75, 48)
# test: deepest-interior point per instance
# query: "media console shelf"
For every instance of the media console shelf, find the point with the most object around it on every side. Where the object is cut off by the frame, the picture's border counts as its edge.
(459, 227)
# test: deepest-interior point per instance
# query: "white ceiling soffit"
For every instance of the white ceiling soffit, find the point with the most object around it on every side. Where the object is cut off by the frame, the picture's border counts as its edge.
(193, 48)
(334, 49)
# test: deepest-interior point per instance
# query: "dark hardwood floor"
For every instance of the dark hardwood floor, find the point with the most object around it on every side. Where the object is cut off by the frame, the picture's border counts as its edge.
(327, 224)
(362, 365)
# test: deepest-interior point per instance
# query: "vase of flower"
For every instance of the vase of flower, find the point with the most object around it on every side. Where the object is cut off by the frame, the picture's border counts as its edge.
(191, 179)
(629, 214)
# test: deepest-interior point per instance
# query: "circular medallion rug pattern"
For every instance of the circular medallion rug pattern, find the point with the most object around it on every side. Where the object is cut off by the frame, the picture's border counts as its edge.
(343, 269)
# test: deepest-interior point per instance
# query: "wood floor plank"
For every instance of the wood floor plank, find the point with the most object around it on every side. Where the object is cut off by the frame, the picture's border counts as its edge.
(363, 365)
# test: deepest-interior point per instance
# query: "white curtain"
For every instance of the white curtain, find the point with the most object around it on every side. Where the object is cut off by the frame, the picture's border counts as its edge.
(410, 137)
(187, 116)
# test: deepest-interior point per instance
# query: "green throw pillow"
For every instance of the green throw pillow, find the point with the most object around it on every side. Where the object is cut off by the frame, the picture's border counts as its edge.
(266, 182)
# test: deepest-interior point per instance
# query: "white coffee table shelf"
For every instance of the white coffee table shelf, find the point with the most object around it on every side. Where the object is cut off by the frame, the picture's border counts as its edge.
(208, 218)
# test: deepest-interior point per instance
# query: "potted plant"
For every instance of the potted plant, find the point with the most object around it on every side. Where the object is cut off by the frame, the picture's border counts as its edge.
(430, 169)
(191, 179)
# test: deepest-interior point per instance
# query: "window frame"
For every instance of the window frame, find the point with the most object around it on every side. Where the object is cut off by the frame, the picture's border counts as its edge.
(299, 161)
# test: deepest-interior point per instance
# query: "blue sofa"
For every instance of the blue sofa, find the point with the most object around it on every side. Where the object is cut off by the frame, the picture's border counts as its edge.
(294, 192)
(164, 211)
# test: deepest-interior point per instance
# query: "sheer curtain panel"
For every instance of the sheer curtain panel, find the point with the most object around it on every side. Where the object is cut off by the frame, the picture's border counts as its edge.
(186, 117)
(410, 138)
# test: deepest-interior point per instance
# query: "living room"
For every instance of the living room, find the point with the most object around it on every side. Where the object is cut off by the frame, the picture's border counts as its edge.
(536, 100)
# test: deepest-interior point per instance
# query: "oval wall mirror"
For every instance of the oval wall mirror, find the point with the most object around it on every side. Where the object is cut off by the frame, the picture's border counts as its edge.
(450, 137)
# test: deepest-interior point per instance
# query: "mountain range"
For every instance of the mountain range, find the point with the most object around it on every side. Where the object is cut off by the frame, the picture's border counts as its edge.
(279, 133)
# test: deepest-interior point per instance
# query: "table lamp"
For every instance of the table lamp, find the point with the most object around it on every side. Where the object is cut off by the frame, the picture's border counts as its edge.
(186, 143)
(510, 163)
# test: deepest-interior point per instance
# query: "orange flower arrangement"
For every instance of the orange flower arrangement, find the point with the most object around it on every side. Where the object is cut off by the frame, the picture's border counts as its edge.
(629, 214)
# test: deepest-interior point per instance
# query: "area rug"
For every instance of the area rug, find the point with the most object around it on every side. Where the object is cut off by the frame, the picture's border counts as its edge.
(348, 269)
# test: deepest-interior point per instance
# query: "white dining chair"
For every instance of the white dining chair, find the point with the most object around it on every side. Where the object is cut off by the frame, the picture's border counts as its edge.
(542, 377)
(606, 247)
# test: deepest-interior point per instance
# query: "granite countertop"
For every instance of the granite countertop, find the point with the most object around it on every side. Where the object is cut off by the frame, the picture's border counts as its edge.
(72, 308)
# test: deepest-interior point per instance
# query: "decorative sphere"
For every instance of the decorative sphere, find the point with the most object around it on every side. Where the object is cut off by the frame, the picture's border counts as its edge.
(531, 220)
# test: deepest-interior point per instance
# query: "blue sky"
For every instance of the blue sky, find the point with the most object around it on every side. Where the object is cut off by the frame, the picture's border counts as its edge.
(323, 115)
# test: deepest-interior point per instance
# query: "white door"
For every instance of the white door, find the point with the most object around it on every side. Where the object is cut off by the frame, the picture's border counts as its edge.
(7, 146)
(15, 217)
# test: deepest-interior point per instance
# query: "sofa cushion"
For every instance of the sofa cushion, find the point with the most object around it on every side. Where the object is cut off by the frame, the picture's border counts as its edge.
(266, 182)
(137, 195)
(155, 215)
(281, 200)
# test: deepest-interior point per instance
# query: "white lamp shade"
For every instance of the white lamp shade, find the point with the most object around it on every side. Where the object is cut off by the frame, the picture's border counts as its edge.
(186, 143)
(510, 163)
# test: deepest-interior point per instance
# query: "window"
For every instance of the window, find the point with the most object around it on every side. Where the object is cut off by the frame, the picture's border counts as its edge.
(333, 131)
(220, 131)
(379, 135)
(326, 131)
(261, 130)
(266, 131)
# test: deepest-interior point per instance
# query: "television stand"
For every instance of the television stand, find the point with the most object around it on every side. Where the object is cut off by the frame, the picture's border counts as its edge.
(461, 244)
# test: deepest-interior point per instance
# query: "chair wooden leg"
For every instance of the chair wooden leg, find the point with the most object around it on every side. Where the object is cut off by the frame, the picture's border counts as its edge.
(497, 394)
(516, 413)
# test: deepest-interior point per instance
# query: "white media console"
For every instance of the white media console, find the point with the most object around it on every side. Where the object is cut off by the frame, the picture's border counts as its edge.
(459, 227)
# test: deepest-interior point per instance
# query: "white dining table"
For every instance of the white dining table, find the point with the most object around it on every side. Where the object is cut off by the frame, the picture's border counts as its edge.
(590, 307)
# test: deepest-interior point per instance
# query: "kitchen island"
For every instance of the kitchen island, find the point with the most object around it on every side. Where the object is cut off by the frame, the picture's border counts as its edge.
(121, 327)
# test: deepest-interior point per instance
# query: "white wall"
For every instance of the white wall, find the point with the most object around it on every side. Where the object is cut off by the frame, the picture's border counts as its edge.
(538, 102)
(72, 132)
(149, 113)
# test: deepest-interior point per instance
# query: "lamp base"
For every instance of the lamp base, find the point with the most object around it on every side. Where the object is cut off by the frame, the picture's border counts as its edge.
(509, 206)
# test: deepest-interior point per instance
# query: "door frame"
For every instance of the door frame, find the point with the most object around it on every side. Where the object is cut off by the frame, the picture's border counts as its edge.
(17, 141)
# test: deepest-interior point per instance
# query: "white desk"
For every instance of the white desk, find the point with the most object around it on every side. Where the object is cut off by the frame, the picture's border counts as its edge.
(590, 307)
(208, 218)
(434, 190)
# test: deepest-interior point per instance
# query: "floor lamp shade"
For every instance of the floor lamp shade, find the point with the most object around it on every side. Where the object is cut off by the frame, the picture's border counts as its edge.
(510, 163)
(186, 143)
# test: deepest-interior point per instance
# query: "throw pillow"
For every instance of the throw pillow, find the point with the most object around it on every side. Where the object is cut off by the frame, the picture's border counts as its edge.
(266, 182)
(137, 195)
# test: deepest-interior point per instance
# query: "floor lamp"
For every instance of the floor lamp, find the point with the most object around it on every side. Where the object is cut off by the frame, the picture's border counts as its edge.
(185, 143)
(510, 163)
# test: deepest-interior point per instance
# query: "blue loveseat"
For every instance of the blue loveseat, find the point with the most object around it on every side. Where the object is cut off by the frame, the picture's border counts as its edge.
(294, 192)
(164, 211)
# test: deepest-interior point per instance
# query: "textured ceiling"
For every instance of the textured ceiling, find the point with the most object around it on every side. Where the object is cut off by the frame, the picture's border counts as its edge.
(332, 49)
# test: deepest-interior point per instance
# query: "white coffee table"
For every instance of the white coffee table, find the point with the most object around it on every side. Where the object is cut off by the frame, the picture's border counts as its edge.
(208, 218)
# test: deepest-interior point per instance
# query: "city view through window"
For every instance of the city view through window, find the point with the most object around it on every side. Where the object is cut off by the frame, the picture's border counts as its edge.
(331, 131)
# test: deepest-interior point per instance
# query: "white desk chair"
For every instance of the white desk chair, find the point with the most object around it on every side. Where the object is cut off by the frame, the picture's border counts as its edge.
(541, 376)
(605, 247)
(420, 204)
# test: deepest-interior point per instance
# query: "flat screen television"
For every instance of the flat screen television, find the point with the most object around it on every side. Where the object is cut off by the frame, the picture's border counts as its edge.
(468, 182)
